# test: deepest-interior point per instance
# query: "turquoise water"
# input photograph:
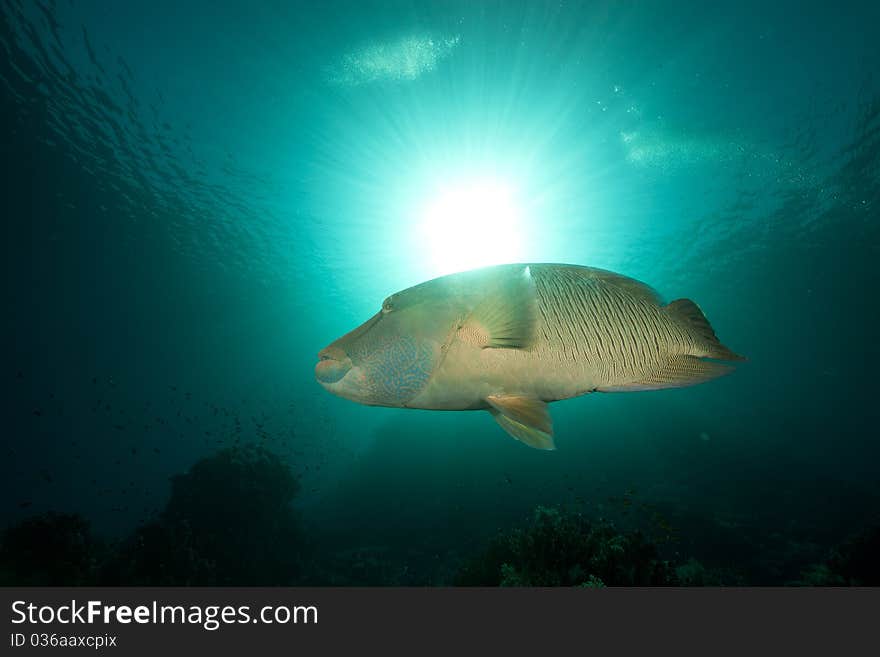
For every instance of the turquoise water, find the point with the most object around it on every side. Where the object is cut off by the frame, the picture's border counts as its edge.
(200, 196)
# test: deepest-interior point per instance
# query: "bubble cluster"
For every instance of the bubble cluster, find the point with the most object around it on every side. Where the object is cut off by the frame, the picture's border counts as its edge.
(403, 59)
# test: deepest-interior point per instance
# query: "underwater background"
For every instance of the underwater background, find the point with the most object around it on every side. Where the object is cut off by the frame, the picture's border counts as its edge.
(199, 196)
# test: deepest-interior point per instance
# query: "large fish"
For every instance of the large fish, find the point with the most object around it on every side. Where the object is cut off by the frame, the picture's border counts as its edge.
(511, 338)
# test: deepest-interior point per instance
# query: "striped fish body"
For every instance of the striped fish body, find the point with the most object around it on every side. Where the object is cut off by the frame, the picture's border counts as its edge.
(511, 338)
(594, 330)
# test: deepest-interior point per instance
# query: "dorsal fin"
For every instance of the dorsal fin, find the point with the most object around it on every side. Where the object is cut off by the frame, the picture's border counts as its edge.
(629, 285)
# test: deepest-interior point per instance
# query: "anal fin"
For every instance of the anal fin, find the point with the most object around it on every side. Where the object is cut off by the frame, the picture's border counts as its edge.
(525, 418)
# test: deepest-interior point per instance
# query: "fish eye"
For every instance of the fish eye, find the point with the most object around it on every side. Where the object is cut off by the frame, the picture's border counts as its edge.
(387, 306)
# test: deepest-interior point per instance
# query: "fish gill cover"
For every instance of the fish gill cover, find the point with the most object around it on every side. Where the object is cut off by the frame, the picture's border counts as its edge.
(200, 197)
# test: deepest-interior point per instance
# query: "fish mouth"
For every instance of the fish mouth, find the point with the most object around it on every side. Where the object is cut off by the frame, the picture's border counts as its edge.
(333, 365)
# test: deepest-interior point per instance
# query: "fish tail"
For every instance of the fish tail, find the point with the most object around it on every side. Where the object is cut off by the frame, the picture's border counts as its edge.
(689, 316)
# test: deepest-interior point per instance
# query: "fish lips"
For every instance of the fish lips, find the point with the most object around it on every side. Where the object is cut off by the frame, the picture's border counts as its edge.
(331, 368)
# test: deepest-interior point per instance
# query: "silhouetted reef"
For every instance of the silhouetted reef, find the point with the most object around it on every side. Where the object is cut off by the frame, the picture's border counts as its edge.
(230, 520)
(563, 548)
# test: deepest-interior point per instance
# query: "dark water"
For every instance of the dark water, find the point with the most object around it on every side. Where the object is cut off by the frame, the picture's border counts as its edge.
(199, 197)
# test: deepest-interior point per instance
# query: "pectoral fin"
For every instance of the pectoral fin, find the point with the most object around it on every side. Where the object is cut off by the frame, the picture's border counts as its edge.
(506, 316)
(525, 418)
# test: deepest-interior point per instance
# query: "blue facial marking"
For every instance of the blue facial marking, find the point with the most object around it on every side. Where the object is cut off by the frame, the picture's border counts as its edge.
(400, 369)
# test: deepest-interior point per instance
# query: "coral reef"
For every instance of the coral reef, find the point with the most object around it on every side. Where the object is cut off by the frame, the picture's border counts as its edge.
(563, 548)
(229, 521)
(52, 549)
(695, 573)
(852, 563)
(856, 559)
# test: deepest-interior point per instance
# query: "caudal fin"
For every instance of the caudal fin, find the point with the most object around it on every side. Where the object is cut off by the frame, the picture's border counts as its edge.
(689, 315)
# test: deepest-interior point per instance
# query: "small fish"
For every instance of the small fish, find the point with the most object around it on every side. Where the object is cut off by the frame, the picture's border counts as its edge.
(511, 338)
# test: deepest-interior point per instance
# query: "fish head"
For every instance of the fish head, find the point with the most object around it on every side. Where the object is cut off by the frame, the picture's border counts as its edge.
(388, 360)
